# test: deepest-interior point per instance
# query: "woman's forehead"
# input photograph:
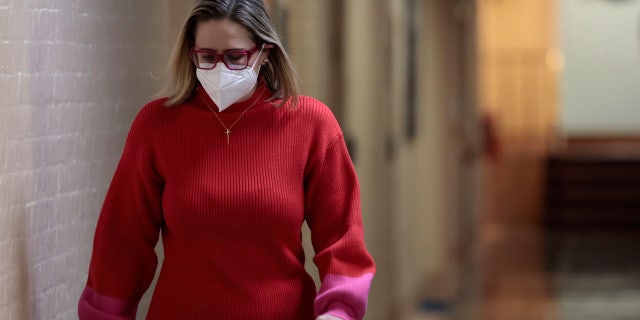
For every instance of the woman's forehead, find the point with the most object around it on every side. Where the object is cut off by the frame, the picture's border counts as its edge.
(222, 34)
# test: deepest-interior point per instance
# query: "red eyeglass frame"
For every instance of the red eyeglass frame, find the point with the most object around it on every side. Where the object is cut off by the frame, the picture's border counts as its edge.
(220, 56)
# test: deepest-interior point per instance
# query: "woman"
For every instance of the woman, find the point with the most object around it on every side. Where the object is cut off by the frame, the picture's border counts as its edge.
(227, 167)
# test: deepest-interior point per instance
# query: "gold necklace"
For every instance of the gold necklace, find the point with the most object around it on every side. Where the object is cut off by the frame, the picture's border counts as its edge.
(228, 129)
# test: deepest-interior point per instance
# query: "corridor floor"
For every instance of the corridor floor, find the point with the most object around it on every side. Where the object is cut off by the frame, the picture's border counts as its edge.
(528, 274)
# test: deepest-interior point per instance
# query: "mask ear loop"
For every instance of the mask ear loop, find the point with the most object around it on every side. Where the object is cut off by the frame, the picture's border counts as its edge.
(259, 53)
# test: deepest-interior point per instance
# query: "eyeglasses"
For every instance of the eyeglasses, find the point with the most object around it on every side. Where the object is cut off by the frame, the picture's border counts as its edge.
(234, 60)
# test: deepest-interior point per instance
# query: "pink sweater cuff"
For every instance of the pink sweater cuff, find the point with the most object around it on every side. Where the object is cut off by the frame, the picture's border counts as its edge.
(95, 306)
(344, 297)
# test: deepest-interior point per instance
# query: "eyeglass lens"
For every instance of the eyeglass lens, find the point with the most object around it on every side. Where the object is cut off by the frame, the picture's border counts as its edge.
(233, 60)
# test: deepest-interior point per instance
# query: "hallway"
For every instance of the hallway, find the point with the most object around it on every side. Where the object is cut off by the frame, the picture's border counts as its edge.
(422, 89)
(530, 274)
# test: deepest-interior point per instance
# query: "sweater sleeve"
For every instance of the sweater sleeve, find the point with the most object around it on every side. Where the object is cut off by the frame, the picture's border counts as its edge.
(334, 217)
(123, 261)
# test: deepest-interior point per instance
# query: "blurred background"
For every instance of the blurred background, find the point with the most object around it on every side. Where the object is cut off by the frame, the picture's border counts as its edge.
(497, 144)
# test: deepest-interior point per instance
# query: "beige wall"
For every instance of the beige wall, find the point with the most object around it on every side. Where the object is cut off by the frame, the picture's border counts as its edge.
(434, 175)
(407, 195)
(72, 76)
(366, 121)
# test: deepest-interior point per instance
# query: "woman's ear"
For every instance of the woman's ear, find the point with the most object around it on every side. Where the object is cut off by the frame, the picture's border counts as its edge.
(264, 57)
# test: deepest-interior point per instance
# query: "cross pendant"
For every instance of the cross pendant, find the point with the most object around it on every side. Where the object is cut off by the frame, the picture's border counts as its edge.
(228, 132)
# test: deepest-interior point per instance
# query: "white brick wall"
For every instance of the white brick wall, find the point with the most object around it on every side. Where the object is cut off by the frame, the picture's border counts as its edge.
(73, 73)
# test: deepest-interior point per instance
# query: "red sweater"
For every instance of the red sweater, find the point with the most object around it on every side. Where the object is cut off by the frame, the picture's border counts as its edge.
(230, 216)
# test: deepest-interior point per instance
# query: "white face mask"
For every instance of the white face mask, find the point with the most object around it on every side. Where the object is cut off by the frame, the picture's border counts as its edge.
(225, 87)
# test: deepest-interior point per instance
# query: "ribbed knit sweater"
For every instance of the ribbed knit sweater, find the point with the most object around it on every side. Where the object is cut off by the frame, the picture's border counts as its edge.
(230, 216)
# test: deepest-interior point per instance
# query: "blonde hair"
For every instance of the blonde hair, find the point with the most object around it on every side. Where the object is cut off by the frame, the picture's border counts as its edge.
(279, 73)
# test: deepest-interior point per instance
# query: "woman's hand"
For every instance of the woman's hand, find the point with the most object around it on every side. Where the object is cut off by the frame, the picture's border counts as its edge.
(328, 317)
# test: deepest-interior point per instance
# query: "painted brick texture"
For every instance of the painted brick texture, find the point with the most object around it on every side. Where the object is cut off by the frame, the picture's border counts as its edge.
(73, 74)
